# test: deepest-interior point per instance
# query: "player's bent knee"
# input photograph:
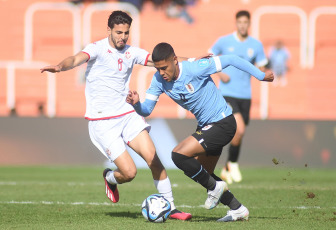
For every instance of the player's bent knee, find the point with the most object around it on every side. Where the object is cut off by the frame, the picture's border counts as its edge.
(239, 133)
(178, 159)
(129, 175)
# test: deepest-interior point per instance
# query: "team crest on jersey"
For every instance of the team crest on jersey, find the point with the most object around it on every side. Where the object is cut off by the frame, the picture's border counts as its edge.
(128, 55)
(250, 52)
(190, 87)
(231, 49)
(207, 127)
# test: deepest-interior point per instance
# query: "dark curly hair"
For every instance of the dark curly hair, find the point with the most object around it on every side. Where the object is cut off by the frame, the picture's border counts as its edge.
(119, 17)
(243, 13)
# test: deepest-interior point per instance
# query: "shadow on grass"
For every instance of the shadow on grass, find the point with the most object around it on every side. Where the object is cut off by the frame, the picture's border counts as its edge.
(132, 215)
(266, 218)
(197, 218)
(136, 215)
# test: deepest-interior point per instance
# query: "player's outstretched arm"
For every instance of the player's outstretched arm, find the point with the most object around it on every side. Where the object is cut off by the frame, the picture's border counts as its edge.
(67, 64)
(180, 59)
(151, 63)
(145, 108)
(222, 76)
(242, 64)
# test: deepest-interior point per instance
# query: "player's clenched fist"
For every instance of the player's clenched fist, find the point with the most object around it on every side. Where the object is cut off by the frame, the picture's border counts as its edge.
(269, 76)
(132, 97)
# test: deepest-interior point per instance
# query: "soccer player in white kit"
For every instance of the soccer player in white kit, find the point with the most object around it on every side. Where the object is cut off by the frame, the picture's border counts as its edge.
(112, 121)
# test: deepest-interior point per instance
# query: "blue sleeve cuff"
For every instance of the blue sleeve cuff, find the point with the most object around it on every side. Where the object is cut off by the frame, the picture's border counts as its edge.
(144, 109)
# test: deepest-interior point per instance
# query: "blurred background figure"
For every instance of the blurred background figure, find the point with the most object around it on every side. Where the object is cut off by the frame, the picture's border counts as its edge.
(137, 3)
(178, 9)
(82, 1)
(278, 58)
(172, 8)
(235, 85)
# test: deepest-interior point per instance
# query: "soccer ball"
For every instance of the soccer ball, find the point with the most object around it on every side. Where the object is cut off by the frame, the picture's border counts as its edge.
(156, 208)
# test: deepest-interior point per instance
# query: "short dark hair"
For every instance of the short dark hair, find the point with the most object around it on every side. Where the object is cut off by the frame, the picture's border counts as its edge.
(162, 51)
(119, 17)
(243, 13)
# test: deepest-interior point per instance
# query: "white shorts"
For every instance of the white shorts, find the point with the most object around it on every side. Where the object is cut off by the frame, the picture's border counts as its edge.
(110, 135)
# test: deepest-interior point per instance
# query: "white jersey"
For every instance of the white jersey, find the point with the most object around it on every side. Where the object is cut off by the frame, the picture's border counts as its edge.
(107, 79)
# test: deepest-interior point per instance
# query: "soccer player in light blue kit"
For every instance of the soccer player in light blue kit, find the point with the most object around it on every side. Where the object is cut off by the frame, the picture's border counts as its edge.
(235, 85)
(278, 57)
(189, 84)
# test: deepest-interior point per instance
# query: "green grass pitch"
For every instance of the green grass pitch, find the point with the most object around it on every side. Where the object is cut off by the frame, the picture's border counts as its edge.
(74, 198)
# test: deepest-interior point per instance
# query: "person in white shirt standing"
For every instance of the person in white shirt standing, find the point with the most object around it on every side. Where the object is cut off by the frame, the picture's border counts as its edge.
(112, 121)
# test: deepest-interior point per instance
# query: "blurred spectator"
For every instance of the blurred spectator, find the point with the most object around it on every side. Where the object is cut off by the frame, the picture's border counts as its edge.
(82, 1)
(178, 9)
(278, 57)
(172, 8)
(137, 3)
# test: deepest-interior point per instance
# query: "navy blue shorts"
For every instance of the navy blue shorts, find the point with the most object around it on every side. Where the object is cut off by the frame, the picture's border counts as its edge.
(213, 137)
(241, 106)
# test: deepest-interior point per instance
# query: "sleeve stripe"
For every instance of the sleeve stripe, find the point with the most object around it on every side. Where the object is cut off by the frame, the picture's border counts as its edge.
(146, 59)
(262, 63)
(218, 64)
(152, 97)
(87, 55)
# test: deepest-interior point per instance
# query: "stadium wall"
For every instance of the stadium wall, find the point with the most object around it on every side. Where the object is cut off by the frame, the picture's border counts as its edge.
(47, 31)
(65, 141)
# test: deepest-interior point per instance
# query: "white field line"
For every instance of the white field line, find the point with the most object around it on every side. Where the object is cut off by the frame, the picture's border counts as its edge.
(138, 205)
(236, 186)
(14, 183)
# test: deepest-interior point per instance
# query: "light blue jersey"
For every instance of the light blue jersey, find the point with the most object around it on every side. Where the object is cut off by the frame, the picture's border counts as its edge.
(195, 90)
(251, 50)
(278, 59)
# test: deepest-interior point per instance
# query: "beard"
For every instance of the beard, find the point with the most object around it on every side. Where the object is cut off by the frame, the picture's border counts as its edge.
(121, 47)
(243, 33)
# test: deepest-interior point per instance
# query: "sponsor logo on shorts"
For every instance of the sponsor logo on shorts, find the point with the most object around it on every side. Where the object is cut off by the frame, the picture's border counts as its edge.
(199, 133)
(207, 127)
(108, 152)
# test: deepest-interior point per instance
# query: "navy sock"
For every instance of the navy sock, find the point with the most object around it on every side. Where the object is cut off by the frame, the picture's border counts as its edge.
(193, 169)
(234, 153)
(227, 197)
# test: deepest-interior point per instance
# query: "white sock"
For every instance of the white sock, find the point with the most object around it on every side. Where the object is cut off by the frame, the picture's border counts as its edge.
(110, 178)
(164, 188)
